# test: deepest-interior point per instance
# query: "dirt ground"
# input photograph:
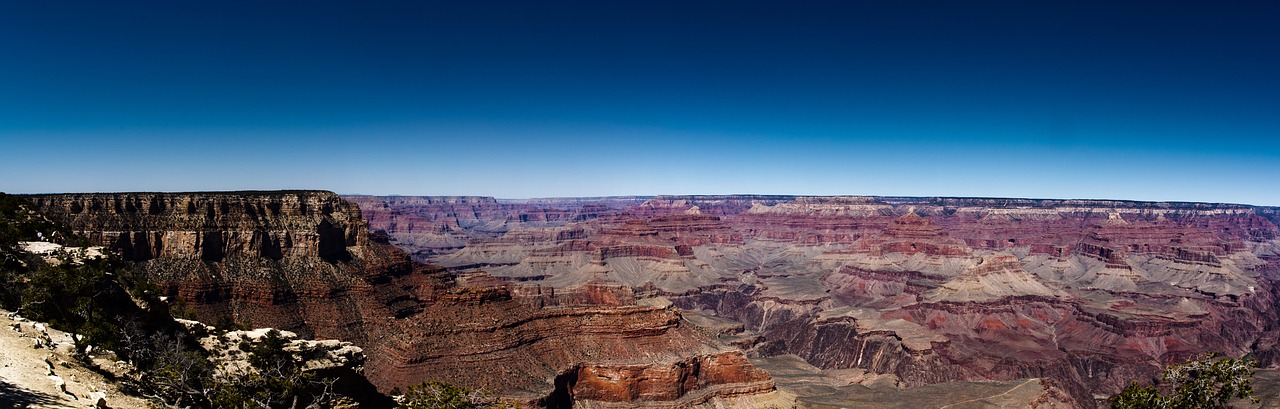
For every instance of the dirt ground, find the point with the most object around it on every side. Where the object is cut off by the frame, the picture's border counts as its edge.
(36, 371)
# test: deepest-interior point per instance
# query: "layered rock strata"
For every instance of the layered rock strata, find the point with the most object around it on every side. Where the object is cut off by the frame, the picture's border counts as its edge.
(1086, 294)
(305, 262)
(628, 353)
(435, 225)
(297, 261)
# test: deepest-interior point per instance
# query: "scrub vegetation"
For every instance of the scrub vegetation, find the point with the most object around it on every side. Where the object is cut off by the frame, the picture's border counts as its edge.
(1210, 382)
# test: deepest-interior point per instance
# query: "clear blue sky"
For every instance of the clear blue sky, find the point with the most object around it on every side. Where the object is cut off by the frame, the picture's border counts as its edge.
(1062, 99)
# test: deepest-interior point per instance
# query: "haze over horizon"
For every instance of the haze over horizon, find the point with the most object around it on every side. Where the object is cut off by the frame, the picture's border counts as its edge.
(1168, 101)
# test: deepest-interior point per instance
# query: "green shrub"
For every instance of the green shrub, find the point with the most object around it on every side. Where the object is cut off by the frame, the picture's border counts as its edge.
(82, 298)
(183, 376)
(1205, 383)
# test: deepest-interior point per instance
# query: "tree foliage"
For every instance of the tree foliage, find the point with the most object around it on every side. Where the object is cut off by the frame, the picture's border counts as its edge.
(82, 298)
(76, 295)
(1206, 383)
(18, 223)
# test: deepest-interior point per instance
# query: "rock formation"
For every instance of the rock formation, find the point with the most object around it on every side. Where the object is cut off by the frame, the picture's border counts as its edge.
(1083, 294)
(213, 226)
(38, 368)
(305, 262)
(442, 224)
(297, 261)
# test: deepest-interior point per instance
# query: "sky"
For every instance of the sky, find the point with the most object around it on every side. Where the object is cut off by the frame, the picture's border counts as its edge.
(1165, 101)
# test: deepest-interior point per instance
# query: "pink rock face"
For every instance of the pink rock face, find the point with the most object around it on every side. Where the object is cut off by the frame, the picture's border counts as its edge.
(428, 226)
(912, 234)
(1090, 294)
(486, 340)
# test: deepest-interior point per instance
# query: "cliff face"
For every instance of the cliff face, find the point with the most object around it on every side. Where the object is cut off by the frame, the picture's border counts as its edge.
(482, 337)
(437, 225)
(214, 226)
(305, 262)
(298, 261)
(1088, 294)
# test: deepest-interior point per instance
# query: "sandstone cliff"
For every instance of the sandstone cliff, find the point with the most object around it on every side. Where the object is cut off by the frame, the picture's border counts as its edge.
(214, 226)
(297, 261)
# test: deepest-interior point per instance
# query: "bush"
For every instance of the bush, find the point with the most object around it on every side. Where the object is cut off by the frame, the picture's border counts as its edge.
(82, 298)
(183, 376)
(1206, 383)
(18, 222)
(440, 395)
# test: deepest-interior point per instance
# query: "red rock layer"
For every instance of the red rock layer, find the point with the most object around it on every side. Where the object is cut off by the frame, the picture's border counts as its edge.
(436, 225)
(912, 234)
(510, 346)
(669, 382)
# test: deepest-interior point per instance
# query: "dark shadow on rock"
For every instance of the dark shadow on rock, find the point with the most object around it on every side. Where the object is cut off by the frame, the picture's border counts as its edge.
(333, 242)
(14, 397)
(562, 396)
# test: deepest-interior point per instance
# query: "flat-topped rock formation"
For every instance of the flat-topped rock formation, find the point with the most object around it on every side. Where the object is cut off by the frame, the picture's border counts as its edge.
(1087, 294)
(911, 234)
(212, 226)
(300, 261)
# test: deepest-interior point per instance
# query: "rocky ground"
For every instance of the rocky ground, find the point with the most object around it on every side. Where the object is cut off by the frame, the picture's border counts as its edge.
(37, 371)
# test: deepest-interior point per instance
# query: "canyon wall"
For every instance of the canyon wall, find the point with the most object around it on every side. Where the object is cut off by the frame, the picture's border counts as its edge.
(429, 226)
(213, 226)
(305, 261)
(298, 261)
(1088, 294)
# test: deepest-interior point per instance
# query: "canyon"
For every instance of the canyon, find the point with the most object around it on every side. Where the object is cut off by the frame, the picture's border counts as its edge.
(305, 262)
(1082, 296)
(738, 300)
